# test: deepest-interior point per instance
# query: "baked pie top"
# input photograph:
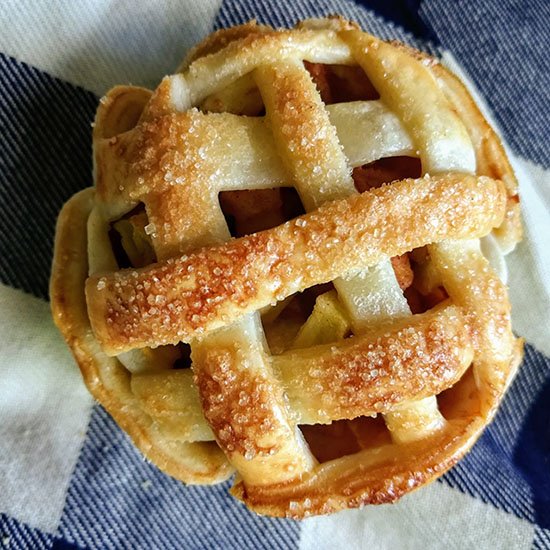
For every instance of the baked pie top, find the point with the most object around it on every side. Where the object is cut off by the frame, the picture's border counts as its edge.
(343, 356)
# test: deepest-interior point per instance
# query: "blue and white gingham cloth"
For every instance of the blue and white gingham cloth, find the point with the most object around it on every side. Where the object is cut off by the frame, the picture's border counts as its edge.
(69, 477)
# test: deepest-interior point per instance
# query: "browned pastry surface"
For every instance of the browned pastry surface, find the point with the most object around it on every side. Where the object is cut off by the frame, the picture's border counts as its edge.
(337, 345)
(183, 297)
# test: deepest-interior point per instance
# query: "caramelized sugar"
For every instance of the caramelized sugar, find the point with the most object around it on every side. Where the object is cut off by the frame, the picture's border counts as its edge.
(250, 211)
(142, 254)
(377, 173)
(345, 437)
(255, 210)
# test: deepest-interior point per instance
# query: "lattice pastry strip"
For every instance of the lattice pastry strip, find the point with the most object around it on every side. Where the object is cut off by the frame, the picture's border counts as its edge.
(175, 160)
(412, 93)
(231, 365)
(454, 206)
(441, 352)
(443, 145)
(108, 381)
(309, 145)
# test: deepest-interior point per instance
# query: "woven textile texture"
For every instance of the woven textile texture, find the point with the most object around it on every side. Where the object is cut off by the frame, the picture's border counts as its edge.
(69, 477)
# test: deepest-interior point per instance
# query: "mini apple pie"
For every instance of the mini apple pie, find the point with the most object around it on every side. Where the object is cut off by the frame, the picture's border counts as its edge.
(290, 267)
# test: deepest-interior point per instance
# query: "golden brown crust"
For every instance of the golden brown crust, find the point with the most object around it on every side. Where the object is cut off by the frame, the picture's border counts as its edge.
(106, 378)
(365, 375)
(387, 473)
(436, 378)
(489, 318)
(490, 154)
(165, 303)
(220, 39)
(370, 374)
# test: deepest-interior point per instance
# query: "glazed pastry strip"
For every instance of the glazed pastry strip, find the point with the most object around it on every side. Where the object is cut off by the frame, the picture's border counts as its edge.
(172, 231)
(309, 146)
(159, 159)
(491, 159)
(225, 152)
(412, 93)
(303, 135)
(249, 273)
(443, 144)
(244, 404)
(473, 285)
(106, 378)
(446, 145)
(374, 290)
(409, 358)
(231, 365)
(214, 72)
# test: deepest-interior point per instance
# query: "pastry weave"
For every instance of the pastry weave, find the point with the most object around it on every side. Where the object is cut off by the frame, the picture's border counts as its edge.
(408, 394)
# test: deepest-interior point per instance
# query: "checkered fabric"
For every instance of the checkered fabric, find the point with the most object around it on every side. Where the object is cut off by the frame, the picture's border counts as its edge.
(69, 477)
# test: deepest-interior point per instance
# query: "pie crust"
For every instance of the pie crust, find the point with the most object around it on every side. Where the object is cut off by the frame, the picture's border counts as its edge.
(360, 401)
